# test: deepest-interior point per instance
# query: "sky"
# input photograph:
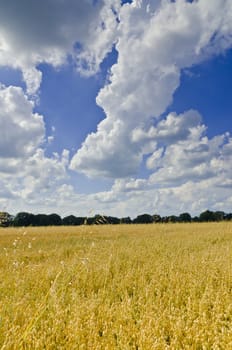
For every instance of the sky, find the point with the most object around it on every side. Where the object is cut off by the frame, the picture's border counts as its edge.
(115, 107)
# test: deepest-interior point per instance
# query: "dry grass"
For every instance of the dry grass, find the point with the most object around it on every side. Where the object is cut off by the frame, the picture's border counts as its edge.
(116, 287)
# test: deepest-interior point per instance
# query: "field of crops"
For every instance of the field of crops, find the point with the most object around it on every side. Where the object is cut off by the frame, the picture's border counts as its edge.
(144, 287)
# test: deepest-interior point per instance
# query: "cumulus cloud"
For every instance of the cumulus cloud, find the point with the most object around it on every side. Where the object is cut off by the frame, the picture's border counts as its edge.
(35, 180)
(138, 196)
(43, 174)
(193, 159)
(25, 170)
(169, 130)
(192, 175)
(104, 34)
(33, 32)
(156, 40)
(22, 130)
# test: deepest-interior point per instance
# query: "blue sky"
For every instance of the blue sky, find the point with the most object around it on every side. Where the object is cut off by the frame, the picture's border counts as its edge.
(134, 118)
(208, 89)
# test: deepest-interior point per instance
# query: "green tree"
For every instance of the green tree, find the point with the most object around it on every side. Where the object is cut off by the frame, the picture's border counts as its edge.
(23, 219)
(207, 215)
(72, 220)
(54, 220)
(69, 220)
(219, 215)
(228, 216)
(41, 220)
(5, 219)
(185, 217)
(173, 218)
(126, 220)
(157, 218)
(143, 219)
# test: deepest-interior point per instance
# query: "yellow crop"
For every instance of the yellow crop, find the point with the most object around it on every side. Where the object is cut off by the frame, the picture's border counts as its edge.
(141, 287)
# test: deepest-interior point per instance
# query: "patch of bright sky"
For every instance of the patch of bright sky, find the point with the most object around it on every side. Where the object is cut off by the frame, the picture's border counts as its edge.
(68, 103)
(85, 185)
(9, 76)
(208, 88)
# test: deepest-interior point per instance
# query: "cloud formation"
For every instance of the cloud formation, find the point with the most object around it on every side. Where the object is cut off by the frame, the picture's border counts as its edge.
(22, 130)
(25, 170)
(33, 32)
(156, 40)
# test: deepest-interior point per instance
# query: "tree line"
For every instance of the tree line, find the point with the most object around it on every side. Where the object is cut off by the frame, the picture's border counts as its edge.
(29, 219)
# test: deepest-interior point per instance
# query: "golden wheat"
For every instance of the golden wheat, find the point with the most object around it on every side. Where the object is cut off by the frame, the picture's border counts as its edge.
(144, 287)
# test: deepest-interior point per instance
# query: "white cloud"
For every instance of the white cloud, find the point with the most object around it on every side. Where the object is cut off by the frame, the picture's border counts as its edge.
(107, 146)
(25, 171)
(35, 182)
(193, 160)
(22, 130)
(42, 175)
(32, 78)
(169, 130)
(191, 196)
(100, 42)
(33, 32)
(156, 40)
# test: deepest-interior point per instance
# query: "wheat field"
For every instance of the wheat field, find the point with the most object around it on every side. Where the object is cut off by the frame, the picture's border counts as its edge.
(142, 287)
